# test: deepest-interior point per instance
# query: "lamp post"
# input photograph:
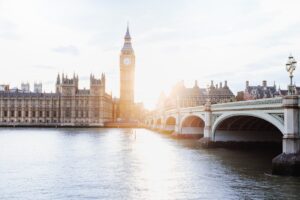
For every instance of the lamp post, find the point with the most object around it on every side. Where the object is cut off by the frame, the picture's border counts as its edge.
(290, 68)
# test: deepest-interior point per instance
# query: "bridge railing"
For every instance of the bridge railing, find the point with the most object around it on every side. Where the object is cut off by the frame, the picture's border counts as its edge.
(269, 102)
(192, 109)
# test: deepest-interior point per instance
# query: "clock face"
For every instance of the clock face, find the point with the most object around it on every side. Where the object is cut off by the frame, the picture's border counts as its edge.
(127, 61)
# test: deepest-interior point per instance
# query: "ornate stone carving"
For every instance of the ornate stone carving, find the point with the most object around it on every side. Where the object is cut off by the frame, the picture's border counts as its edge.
(278, 116)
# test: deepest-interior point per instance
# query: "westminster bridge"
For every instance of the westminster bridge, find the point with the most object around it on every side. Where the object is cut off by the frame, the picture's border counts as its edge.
(263, 120)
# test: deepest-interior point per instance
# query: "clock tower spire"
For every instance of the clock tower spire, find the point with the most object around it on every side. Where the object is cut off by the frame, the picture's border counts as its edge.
(127, 47)
(127, 70)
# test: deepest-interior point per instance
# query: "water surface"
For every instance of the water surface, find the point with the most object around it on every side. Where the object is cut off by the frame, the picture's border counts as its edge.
(118, 164)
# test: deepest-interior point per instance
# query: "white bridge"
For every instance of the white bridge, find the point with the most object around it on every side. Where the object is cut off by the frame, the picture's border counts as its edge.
(263, 120)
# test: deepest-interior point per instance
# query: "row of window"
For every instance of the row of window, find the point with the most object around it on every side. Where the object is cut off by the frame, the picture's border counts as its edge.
(26, 113)
(13, 102)
(31, 121)
(28, 101)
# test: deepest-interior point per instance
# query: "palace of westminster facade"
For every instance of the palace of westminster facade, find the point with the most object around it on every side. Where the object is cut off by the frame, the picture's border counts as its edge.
(69, 105)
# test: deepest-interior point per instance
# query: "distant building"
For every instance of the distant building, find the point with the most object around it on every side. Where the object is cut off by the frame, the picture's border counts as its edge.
(220, 93)
(4, 88)
(38, 88)
(68, 106)
(259, 91)
(25, 87)
(281, 93)
(195, 96)
(262, 91)
(240, 96)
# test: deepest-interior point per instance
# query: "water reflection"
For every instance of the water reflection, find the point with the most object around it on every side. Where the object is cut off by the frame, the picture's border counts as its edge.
(131, 164)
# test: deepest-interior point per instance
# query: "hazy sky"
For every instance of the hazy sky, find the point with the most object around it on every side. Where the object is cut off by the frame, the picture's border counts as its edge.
(174, 40)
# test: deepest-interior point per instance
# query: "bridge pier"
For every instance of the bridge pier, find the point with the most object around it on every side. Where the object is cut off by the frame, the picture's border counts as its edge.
(288, 163)
(207, 140)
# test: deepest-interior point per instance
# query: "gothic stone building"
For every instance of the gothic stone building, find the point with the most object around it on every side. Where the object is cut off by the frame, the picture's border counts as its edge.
(68, 106)
(263, 91)
(196, 96)
(259, 91)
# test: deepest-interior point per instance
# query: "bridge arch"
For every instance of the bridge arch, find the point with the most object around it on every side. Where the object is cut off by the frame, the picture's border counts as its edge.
(170, 123)
(192, 124)
(151, 122)
(158, 123)
(248, 126)
(191, 116)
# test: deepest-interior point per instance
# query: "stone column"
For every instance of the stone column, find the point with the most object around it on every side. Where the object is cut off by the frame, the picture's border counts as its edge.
(288, 163)
(152, 122)
(207, 139)
(23, 114)
(178, 124)
(208, 121)
(16, 113)
(1, 110)
(73, 110)
(8, 110)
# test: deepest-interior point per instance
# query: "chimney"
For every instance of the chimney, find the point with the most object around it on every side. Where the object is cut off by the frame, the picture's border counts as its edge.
(264, 83)
(247, 84)
(217, 86)
(221, 86)
(225, 84)
(211, 83)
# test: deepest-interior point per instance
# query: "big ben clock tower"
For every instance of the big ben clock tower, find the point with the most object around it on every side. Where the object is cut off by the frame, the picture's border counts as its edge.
(127, 68)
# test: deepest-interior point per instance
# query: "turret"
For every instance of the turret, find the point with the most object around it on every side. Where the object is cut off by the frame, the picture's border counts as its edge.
(97, 86)
(38, 88)
(67, 86)
(196, 84)
(264, 83)
(211, 84)
(25, 87)
(57, 83)
(103, 79)
(58, 79)
(247, 84)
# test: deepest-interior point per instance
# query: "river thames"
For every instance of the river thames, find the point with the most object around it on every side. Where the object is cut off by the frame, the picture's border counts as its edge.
(131, 164)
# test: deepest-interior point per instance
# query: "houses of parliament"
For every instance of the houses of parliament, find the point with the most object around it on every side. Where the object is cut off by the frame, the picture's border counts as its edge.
(69, 105)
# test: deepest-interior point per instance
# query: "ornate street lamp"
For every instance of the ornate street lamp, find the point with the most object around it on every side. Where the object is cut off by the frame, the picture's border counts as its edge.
(290, 68)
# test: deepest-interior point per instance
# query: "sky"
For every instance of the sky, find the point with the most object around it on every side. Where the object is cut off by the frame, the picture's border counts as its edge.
(174, 40)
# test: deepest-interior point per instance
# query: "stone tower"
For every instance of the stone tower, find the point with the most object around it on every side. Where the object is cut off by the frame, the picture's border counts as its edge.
(67, 89)
(97, 93)
(127, 69)
(67, 86)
